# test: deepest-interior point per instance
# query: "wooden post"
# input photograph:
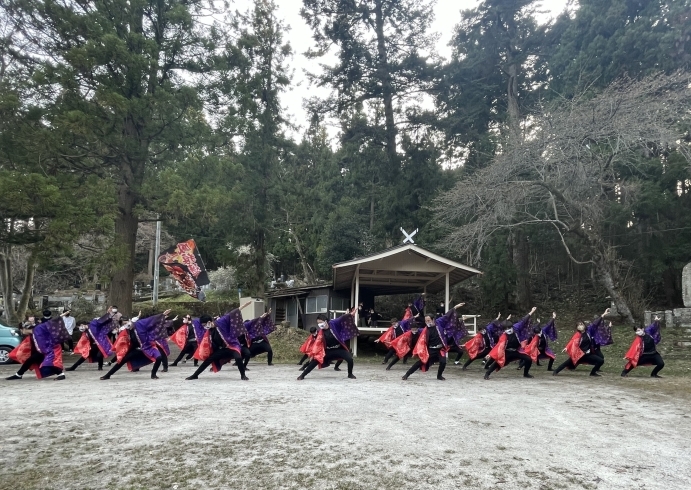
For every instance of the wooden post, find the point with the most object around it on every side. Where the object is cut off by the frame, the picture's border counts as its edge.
(353, 341)
(446, 300)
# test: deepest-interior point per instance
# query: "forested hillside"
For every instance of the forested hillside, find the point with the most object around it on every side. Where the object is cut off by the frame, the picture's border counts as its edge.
(543, 152)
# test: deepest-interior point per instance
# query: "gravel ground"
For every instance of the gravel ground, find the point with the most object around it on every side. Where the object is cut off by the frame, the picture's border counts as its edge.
(331, 432)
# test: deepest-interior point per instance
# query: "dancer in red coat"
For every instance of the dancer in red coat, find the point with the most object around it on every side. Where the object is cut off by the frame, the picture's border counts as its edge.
(509, 348)
(643, 350)
(583, 349)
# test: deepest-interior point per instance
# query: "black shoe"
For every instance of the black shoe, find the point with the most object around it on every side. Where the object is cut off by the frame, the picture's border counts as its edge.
(486, 376)
(337, 368)
(303, 367)
(244, 378)
(71, 368)
(100, 369)
(441, 378)
(464, 368)
(550, 369)
(14, 376)
(301, 377)
(165, 370)
(104, 377)
(595, 375)
(153, 376)
(270, 364)
(388, 368)
(175, 364)
(655, 376)
(195, 364)
(624, 374)
(60, 377)
(405, 377)
(351, 376)
(554, 373)
(188, 378)
(528, 376)
(299, 364)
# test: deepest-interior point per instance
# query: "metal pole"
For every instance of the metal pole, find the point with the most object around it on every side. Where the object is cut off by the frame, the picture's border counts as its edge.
(157, 252)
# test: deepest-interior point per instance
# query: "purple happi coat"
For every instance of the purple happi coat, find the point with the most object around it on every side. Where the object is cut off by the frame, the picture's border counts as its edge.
(600, 332)
(522, 328)
(231, 326)
(494, 330)
(344, 328)
(451, 326)
(198, 329)
(48, 338)
(99, 328)
(147, 330)
(654, 331)
(259, 327)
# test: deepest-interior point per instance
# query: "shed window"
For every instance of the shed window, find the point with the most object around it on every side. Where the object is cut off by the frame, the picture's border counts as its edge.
(317, 304)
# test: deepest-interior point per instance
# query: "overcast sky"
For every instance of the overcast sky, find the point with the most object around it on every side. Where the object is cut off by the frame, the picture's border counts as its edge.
(447, 15)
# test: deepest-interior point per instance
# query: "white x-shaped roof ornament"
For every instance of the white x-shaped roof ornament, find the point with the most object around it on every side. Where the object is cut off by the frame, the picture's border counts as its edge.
(409, 237)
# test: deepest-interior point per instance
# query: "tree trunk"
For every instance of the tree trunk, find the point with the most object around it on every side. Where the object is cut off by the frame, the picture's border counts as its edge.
(7, 286)
(521, 260)
(126, 224)
(387, 86)
(31, 263)
(513, 108)
(306, 270)
(606, 278)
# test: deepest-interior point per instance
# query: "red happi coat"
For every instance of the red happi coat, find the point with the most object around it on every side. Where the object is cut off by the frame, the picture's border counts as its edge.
(83, 347)
(634, 353)
(318, 349)
(22, 352)
(420, 349)
(307, 345)
(573, 348)
(498, 352)
(401, 344)
(532, 348)
(475, 345)
(122, 344)
(388, 336)
(179, 338)
(408, 314)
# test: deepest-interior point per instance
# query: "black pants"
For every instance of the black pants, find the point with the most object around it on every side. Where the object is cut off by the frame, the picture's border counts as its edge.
(97, 356)
(189, 349)
(654, 359)
(303, 359)
(70, 343)
(259, 348)
(511, 356)
(163, 357)
(395, 359)
(434, 356)
(332, 355)
(481, 355)
(222, 355)
(549, 364)
(36, 358)
(593, 359)
(390, 353)
(458, 351)
(133, 355)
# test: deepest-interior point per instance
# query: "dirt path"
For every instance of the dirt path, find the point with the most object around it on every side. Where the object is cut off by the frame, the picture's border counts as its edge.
(331, 432)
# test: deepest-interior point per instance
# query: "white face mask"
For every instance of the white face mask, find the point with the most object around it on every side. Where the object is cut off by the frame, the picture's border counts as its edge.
(581, 328)
(82, 328)
(207, 326)
(640, 332)
(185, 320)
(509, 331)
(114, 310)
(321, 325)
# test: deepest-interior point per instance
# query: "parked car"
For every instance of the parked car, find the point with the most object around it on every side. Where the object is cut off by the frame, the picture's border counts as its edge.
(9, 339)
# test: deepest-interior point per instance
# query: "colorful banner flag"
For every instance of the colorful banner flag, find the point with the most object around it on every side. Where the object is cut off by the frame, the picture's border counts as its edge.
(184, 263)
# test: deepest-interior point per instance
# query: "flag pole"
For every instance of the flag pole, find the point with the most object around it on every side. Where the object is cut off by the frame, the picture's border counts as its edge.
(157, 252)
